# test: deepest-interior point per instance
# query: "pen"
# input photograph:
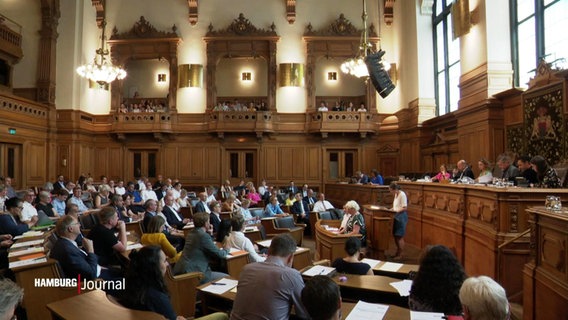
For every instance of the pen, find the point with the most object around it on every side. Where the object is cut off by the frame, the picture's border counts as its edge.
(217, 284)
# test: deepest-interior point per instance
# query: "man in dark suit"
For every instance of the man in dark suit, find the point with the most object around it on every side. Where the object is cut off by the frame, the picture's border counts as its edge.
(59, 184)
(508, 171)
(8, 222)
(302, 210)
(361, 177)
(172, 216)
(71, 258)
(292, 188)
(202, 205)
(310, 199)
(464, 171)
(527, 172)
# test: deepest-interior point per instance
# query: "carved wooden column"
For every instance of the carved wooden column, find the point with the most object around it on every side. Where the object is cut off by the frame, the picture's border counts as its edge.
(272, 77)
(47, 52)
(211, 80)
(310, 66)
(173, 60)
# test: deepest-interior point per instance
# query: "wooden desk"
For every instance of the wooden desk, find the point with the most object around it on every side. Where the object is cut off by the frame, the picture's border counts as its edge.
(393, 313)
(329, 245)
(338, 194)
(236, 263)
(545, 277)
(378, 221)
(95, 305)
(401, 273)
(253, 235)
(135, 229)
(374, 289)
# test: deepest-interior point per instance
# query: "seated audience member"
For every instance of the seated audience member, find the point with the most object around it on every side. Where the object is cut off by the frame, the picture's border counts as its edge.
(102, 199)
(10, 296)
(230, 204)
(302, 210)
(71, 258)
(3, 198)
(482, 298)
(76, 199)
(226, 189)
(322, 299)
(149, 193)
(310, 199)
(155, 235)
(376, 177)
(59, 202)
(119, 189)
(322, 204)
(290, 199)
(361, 177)
(133, 212)
(145, 287)
(104, 241)
(28, 210)
(437, 283)
(137, 203)
(273, 209)
(183, 200)
(527, 172)
(215, 216)
(222, 234)
(508, 171)
(210, 194)
(89, 186)
(174, 236)
(5, 243)
(268, 290)
(59, 184)
(356, 223)
(442, 175)
(245, 212)
(253, 196)
(199, 248)
(238, 240)
(485, 175)
(202, 205)
(45, 204)
(547, 177)
(8, 220)
(10, 192)
(173, 218)
(351, 263)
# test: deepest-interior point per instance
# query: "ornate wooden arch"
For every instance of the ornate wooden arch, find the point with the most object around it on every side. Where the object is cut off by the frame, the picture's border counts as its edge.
(241, 39)
(143, 41)
(341, 40)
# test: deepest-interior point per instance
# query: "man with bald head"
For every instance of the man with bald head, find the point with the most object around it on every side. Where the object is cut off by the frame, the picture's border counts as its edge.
(202, 205)
(322, 204)
(463, 171)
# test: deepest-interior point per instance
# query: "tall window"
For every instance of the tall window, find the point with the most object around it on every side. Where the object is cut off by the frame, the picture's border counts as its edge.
(539, 31)
(446, 58)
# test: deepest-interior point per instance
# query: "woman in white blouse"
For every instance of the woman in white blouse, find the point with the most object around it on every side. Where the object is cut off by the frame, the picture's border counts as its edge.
(238, 240)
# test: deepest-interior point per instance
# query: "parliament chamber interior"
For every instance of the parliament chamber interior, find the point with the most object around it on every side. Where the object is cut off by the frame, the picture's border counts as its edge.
(234, 97)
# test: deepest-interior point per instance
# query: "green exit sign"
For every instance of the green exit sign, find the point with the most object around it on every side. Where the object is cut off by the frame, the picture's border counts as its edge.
(11, 130)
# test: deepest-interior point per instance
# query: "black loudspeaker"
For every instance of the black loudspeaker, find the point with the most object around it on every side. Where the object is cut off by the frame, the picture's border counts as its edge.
(379, 76)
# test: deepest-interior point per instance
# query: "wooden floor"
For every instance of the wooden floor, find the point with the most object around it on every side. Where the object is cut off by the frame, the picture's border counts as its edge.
(410, 255)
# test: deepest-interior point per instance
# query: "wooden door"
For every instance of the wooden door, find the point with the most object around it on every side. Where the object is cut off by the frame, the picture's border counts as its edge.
(243, 165)
(11, 163)
(143, 162)
(341, 164)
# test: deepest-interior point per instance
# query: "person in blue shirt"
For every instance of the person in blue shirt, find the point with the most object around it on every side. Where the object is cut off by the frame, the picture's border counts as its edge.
(376, 177)
(273, 209)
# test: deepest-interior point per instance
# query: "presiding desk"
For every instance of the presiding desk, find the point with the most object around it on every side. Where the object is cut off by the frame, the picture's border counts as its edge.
(339, 193)
(95, 305)
(545, 277)
(378, 221)
(330, 245)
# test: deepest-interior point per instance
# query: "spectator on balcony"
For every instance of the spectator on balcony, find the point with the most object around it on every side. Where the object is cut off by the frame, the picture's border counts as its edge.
(362, 108)
(323, 106)
(337, 107)
(350, 107)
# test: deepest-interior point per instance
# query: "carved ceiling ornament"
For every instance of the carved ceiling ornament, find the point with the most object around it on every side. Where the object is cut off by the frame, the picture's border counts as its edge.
(100, 8)
(192, 16)
(339, 27)
(143, 29)
(388, 13)
(291, 11)
(241, 27)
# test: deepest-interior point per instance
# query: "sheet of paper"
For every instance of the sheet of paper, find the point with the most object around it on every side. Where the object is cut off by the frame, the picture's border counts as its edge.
(21, 263)
(134, 246)
(416, 315)
(318, 270)
(221, 286)
(403, 287)
(372, 262)
(265, 243)
(24, 252)
(368, 311)
(20, 244)
(188, 226)
(249, 229)
(29, 234)
(390, 266)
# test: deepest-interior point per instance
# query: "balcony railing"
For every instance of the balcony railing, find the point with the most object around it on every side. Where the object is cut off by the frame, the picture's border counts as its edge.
(342, 121)
(222, 122)
(10, 40)
(151, 122)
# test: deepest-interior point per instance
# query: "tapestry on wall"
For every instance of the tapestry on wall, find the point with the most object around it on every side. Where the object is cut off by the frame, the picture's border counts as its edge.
(544, 123)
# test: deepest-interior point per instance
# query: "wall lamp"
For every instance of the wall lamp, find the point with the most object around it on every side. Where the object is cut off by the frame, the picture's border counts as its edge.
(291, 75)
(190, 75)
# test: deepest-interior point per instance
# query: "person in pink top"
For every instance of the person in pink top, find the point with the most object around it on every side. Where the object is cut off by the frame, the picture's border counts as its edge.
(253, 196)
(442, 175)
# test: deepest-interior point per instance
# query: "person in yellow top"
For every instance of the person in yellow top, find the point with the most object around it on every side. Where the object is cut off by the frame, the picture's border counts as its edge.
(155, 236)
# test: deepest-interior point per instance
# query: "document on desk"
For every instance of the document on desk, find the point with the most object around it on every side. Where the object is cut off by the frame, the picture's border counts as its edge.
(265, 243)
(416, 315)
(25, 251)
(134, 246)
(21, 263)
(403, 287)
(390, 266)
(221, 286)
(372, 262)
(29, 234)
(318, 270)
(250, 229)
(367, 311)
(20, 244)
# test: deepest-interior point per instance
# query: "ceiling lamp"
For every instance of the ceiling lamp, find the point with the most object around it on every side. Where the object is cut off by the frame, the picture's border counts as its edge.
(101, 70)
(356, 66)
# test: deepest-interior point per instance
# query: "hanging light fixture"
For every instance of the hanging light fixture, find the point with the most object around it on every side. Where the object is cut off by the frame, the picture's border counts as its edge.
(356, 66)
(101, 70)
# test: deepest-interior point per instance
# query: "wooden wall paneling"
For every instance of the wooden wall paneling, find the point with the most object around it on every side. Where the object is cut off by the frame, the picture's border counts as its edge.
(35, 165)
(171, 161)
(212, 164)
(86, 156)
(270, 164)
(313, 164)
(63, 161)
(388, 166)
(415, 207)
(196, 163)
(101, 163)
(368, 158)
(116, 164)
(287, 162)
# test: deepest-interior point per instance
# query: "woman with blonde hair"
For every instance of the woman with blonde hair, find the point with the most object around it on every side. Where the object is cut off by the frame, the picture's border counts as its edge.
(155, 236)
(485, 175)
(356, 223)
